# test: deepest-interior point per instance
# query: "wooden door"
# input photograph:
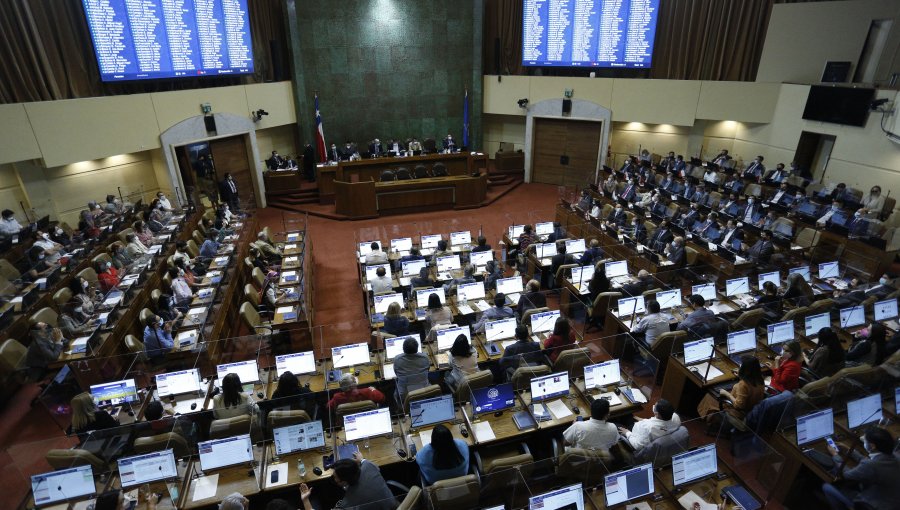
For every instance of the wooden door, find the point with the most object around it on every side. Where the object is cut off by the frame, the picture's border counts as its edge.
(565, 151)
(230, 156)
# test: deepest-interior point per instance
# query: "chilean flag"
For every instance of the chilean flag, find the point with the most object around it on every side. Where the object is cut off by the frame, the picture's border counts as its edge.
(320, 135)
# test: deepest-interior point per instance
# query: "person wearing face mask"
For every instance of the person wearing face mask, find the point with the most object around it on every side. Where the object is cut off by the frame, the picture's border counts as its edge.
(776, 176)
(52, 250)
(165, 308)
(689, 216)
(58, 235)
(347, 151)
(449, 144)
(665, 421)
(656, 207)
(689, 188)
(609, 185)
(873, 481)
(107, 276)
(38, 264)
(755, 170)
(134, 248)
(164, 202)
(616, 218)
(46, 345)
(181, 291)
(629, 191)
(700, 196)
(835, 209)
(157, 337)
(873, 203)
(112, 205)
(722, 157)
(228, 191)
(9, 225)
(638, 231)
(750, 214)
(767, 221)
(782, 196)
(675, 252)
(667, 182)
(82, 297)
(364, 487)
(762, 250)
(858, 225)
(95, 211)
(72, 321)
(733, 185)
(334, 155)
(711, 176)
(661, 237)
(158, 214)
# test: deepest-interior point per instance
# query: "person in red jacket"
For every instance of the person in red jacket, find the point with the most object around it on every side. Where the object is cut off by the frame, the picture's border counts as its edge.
(786, 372)
(350, 393)
(107, 276)
(562, 338)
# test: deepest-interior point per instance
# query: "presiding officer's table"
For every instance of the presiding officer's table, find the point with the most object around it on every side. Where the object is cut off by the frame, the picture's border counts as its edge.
(368, 199)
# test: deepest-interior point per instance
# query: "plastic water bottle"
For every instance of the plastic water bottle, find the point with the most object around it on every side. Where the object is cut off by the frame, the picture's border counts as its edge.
(301, 468)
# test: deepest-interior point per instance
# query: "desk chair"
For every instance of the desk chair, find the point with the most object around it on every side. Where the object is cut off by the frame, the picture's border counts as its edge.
(807, 238)
(480, 379)
(660, 450)
(561, 274)
(521, 378)
(820, 306)
(412, 500)
(278, 418)
(167, 281)
(45, 314)
(573, 361)
(354, 407)
(124, 234)
(581, 465)
(12, 356)
(154, 295)
(88, 274)
(748, 319)
(145, 314)
(850, 382)
(8, 271)
(193, 248)
(753, 189)
(418, 394)
(61, 297)
(160, 442)
(662, 348)
(101, 258)
(528, 313)
(690, 256)
(420, 171)
(387, 176)
(597, 312)
(795, 313)
(252, 319)
(251, 295)
(403, 174)
(64, 459)
(812, 390)
(505, 476)
(439, 170)
(197, 237)
(457, 493)
(227, 427)
(259, 278)
(429, 145)
(135, 346)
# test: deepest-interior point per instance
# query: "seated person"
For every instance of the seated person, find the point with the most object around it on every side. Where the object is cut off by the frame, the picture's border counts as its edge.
(674, 252)
(411, 368)
(113, 205)
(289, 393)
(732, 206)
(782, 196)
(38, 265)
(160, 419)
(595, 433)
(829, 356)
(787, 367)
(350, 392)
(376, 256)
(395, 147)
(638, 232)
(661, 237)
(498, 311)
(763, 249)
(107, 276)
(463, 361)
(157, 337)
(532, 298)
(733, 185)
(73, 322)
(643, 282)
(467, 277)
(482, 244)
(395, 323)
(86, 417)
(232, 401)
(522, 352)
(436, 313)
(870, 348)
(664, 422)
(562, 338)
(770, 301)
(267, 250)
(751, 213)
(422, 280)
(9, 226)
(688, 217)
(134, 248)
(181, 291)
(60, 236)
(449, 144)
(798, 290)
(414, 254)
(767, 222)
(652, 324)
(120, 257)
(835, 209)
(53, 251)
(561, 258)
(744, 395)
(347, 152)
(382, 283)
(594, 252)
(364, 487)
(873, 482)
(731, 236)
(46, 345)
(701, 316)
(616, 218)
(444, 458)
(776, 176)
(210, 247)
(276, 161)
(700, 196)
(441, 251)
(858, 225)
(165, 308)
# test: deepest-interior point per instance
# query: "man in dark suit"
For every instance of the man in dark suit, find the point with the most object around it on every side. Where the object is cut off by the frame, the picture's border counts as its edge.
(700, 196)
(450, 144)
(721, 158)
(701, 226)
(762, 250)
(644, 282)
(873, 482)
(730, 206)
(675, 252)
(656, 206)
(229, 192)
(661, 237)
(782, 196)
(668, 162)
(309, 162)
(689, 217)
(689, 188)
(347, 151)
(755, 170)
(276, 161)
(594, 252)
(629, 192)
(616, 218)
(523, 349)
(733, 185)
(559, 259)
(638, 231)
(375, 148)
(858, 225)
(778, 175)
(334, 154)
(680, 165)
(395, 147)
(750, 213)
(701, 316)
(727, 234)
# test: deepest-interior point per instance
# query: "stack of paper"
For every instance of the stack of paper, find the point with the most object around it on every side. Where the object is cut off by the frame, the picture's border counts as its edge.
(691, 498)
(482, 305)
(465, 309)
(559, 409)
(483, 431)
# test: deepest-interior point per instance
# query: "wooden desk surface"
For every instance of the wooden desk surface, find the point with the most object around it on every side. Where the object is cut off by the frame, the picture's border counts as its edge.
(311, 458)
(239, 478)
(167, 488)
(708, 489)
(569, 401)
(622, 408)
(503, 426)
(415, 435)
(366, 372)
(598, 499)
(382, 450)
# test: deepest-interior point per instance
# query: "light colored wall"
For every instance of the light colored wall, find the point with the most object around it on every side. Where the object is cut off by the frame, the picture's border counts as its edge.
(280, 138)
(802, 37)
(11, 192)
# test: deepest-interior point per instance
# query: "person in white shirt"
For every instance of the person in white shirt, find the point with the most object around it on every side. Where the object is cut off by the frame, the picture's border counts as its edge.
(595, 211)
(52, 250)
(835, 207)
(381, 283)
(376, 256)
(593, 434)
(873, 203)
(9, 226)
(135, 247)
(711, 176)
(653, 324)
(164, 202)
(181, 291)
(664, 422)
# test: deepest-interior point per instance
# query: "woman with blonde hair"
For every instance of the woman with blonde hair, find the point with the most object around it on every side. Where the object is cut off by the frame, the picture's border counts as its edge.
(86, 416)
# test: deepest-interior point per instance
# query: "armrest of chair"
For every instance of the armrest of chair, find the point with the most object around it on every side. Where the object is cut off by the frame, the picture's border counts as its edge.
(478, 462)
(397, 488)
(523, 447)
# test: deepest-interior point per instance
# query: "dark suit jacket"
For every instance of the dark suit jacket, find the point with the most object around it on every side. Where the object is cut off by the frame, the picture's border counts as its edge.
(660, 239)
(640, 233)
(619, 219)
(558, 260)
(531, 300)
(529, 351)
(629, 192)
(878, 479)
(225, 190)
(676, 256)
(735, 186)
(345, 153)
(309, 159)
(449, 144)
(376, 149)
(390, 147)
(590, 255)
(857, 226)
(761, 251)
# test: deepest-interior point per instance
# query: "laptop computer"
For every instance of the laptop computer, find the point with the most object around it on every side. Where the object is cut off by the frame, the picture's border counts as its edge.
(741, 343)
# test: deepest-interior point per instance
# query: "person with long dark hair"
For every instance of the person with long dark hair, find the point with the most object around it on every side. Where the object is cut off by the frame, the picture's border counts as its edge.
(829, 355)
(436, 313)
(872, 349)
(798, 290)
(744, 395)
(599, 283)
(562, 337)
(232, 401)
(463, 360)
(786, 371)
(446, 457)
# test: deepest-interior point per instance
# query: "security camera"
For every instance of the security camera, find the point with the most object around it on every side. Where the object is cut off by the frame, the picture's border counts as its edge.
(523, 103)
(258, 115)
(878, 102)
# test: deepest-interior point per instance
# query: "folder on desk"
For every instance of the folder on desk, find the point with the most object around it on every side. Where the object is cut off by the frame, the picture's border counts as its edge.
(524, 420)
(741, 497)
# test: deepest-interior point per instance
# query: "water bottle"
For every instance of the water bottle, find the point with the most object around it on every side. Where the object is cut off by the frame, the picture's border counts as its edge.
(301, 468)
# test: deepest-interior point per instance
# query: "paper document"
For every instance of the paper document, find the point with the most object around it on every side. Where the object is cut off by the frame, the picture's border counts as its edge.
(701, 370)
(483, 431)
(639, 396)
(196, 311)
(610, 397)
(425, 437)
(465, 309)
(290, 260)
(559, 409)
(691, 497)
(482, 305)
(282, 469)
(16, 300)
(388, 371)
(205, 487)
(220, 260)
(284, 309)
(507, 343)
(290, 247)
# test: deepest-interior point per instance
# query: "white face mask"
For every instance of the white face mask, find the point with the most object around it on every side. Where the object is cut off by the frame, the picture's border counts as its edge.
(46, 236)
(59, 231)
(883, 281)
(750, 201)
(85, 284)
